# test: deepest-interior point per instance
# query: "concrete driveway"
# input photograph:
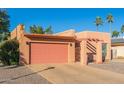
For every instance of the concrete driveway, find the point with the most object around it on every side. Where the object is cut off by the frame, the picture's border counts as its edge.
(117, 67)
(76, 74)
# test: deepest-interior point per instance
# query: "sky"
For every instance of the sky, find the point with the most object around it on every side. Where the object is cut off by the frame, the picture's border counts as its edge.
(79, 19)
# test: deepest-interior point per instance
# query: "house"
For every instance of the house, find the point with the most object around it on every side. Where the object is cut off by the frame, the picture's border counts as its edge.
(64, 47)
(117, 48)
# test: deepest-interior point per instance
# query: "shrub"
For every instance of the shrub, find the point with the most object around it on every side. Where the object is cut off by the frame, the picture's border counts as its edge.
(9, 52)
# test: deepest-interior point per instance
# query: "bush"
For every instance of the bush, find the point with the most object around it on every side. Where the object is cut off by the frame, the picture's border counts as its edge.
(9, 52)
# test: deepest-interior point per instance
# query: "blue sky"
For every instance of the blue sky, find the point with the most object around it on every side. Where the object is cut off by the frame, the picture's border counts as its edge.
(62, 19)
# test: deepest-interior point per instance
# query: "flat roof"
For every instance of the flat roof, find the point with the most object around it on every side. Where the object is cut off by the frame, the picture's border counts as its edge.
(117, 40)
(49, 36)
(88, 31)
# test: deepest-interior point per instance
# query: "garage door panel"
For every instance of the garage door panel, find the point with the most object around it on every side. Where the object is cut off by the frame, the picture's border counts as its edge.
(49, 53)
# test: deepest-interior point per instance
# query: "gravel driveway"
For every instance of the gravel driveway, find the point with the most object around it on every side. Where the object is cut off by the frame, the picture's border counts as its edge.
(20, 75)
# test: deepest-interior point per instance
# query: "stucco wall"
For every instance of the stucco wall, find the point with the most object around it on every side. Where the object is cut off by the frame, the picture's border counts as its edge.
(118, 51)
(24, 50)
(71, 52)
(94, 35)
(92, 39)
(18, 32)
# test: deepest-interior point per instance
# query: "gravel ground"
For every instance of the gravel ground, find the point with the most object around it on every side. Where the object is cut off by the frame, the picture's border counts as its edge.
(20, 75)
(112, 66)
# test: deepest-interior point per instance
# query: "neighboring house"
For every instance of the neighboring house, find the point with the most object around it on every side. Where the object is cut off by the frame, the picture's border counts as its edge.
(117, 48)
(64, 47)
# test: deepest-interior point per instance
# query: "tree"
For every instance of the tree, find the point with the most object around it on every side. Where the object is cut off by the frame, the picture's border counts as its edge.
(39, 30)
(4, 21)
(48, 30)
(36, 29)
(4, 24)
(115, 33)
(122, 29)
(110, 20)
(4, 36)
(98, 22)
(9, 52)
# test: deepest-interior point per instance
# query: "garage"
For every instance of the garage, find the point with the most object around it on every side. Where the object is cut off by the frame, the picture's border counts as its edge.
(43, 53)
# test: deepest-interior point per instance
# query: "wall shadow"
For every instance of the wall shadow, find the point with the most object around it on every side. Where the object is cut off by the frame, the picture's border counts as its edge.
(22, 60)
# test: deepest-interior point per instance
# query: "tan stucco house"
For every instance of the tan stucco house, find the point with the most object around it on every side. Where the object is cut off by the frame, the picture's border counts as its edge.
(117, 48)
(64, 47)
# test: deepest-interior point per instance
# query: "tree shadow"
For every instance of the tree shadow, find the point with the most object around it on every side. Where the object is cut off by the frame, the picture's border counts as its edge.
(14, 66)
(49, 68)
(33, 73)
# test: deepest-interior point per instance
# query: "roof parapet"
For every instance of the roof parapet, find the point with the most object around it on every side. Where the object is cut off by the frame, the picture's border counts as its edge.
(70, 32)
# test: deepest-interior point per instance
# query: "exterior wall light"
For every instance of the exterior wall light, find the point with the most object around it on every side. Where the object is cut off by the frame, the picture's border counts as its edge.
(70, 44)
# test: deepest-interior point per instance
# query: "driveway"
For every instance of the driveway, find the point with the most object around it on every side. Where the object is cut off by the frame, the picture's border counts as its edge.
(114, 66)
(77, 74)
(20, 75)
(63, 74)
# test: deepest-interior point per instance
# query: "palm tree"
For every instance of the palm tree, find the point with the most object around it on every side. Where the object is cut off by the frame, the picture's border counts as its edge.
(115, 33)
(39, 30)
(48, 30)
(110, 21)
(98, 22)
(122, 29)
(36, 29)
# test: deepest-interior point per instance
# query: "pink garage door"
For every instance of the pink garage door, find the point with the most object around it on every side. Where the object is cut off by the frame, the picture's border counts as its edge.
(49, 53)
